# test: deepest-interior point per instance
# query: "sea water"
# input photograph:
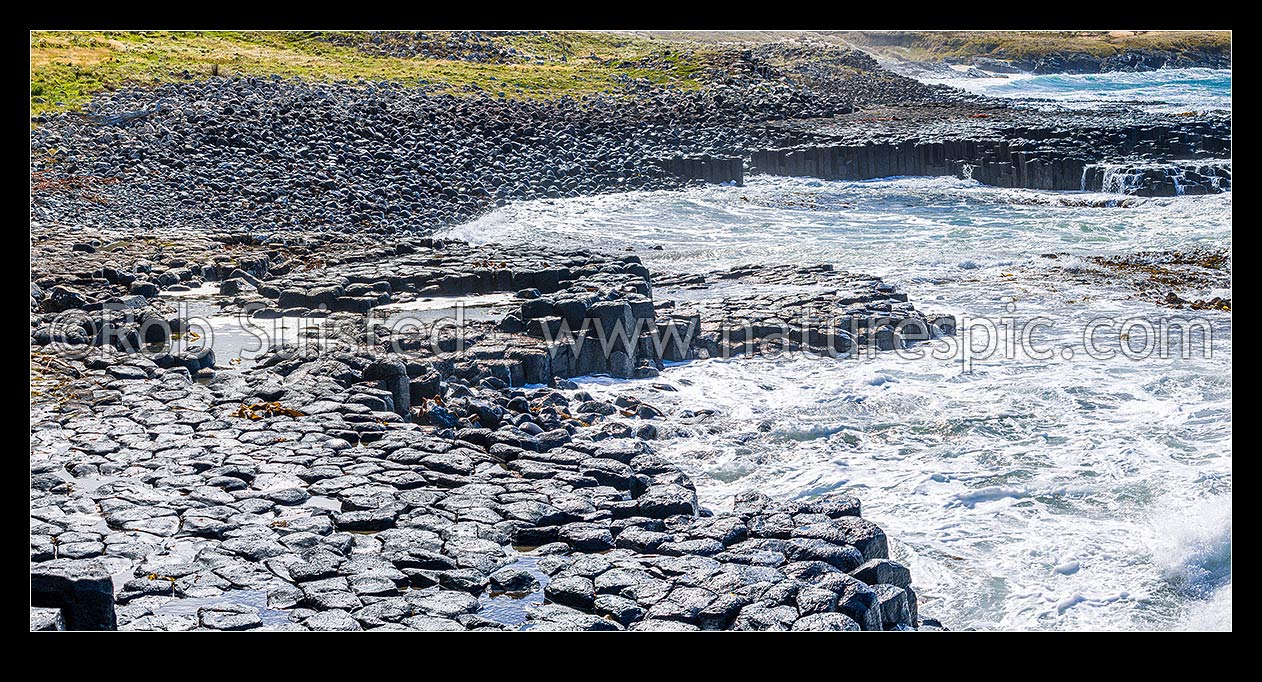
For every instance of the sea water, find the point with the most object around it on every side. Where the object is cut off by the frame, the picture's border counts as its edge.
(1161, 90)
(1070, 493)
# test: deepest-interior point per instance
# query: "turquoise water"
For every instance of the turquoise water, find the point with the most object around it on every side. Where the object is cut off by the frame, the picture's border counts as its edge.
(1162, 90)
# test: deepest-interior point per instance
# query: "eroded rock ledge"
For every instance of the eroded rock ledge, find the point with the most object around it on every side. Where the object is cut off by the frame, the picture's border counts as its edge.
(304, 491)
(1143, 154)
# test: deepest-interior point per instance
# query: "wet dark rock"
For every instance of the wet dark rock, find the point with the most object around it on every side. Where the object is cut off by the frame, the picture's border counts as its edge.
(726, 530)
(574, 591)
(61, 298)
(255, 548)
(860, 602)
(82, 589)
(127, 372)
(663, 501)
(443, 603)
(864, 536)
(470, 580)
(367, 520)
(699, 547)
(624, 611)
(330, 593)
(893, 604)
(586, 537)
(883, 572)
(510, 579)
(813, 549)
(316, 565)
(641, 540)
(433, 624)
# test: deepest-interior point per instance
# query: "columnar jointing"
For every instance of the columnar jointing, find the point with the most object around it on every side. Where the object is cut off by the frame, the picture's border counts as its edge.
(1004, 163)
(1146, 160)
(711, 169)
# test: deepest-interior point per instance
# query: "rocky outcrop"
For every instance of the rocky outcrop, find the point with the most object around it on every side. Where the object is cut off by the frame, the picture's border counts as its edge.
(1158, 179)
(367, 484)
(82, 590)
(716, 170)
(574, 313)
(1030, 151)
(1129, 59)
(383, 157)
(396, 479)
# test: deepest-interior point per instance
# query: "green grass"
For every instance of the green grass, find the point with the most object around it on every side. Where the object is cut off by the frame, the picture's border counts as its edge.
(937, 45)
(68, 68)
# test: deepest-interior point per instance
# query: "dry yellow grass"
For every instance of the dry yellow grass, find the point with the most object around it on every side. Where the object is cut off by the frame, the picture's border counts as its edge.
(68, 67)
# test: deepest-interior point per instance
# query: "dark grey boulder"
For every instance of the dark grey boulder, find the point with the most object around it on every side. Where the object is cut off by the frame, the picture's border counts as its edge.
(574, 591)
(662, 501)
(895, 610)
(883, 572)
(82, 589)
(512, 579)
(865, 536)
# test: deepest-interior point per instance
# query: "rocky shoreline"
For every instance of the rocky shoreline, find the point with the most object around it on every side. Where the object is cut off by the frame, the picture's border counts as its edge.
(347, 488)
(1067, 62)
(277, 154)
(360, 473)
(1135, 59)
(1123, 152)
(351, 159)
(999, 53)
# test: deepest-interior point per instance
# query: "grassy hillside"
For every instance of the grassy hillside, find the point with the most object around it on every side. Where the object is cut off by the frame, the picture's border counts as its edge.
(939, 45)
(67, 68)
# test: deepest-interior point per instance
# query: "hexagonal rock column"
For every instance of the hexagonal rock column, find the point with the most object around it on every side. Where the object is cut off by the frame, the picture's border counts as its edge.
(394, 374)
(82, 590)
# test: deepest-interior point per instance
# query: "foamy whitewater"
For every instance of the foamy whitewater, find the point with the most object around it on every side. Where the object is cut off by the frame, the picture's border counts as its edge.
(1025, 494)
(1161, 90)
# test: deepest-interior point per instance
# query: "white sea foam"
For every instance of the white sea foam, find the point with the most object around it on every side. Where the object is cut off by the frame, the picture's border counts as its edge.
(1162, 90)
(1191, 547)
(1213, 615)
(1024, 495)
